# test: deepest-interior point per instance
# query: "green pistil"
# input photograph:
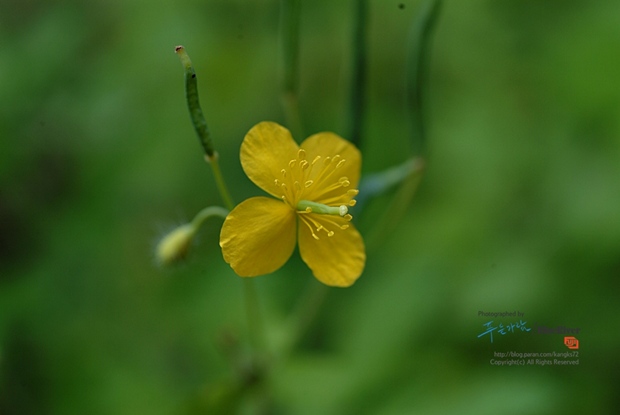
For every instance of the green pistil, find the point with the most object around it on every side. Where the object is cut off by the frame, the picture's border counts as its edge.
(313, 207)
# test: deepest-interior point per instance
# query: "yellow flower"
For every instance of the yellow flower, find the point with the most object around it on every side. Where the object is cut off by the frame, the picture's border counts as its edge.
(314, 184)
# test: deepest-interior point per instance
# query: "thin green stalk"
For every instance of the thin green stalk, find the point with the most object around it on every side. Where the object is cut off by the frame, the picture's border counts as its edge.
(420, 41)
(357, 93)
(211, 156)
(409, 174)
(374, 184)
(289, 35)
(208, 212)
(219, 181)
(306, 311)
(253, 314)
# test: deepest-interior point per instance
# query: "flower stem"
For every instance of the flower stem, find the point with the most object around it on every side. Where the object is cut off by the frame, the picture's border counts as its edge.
(306, 311)
(357, 94)
(374, 184)
(208, 212)
(417, 68)
(219, 181)
(254, 321)
(289, 34)
(253, 314)
(409, 174)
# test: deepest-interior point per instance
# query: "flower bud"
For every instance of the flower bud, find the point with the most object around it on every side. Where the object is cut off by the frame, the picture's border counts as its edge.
(175, 245)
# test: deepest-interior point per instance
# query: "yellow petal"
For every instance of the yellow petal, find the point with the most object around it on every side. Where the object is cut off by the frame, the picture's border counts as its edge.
(267, 149)
(330, 144)
(336, 260)
(258, 236)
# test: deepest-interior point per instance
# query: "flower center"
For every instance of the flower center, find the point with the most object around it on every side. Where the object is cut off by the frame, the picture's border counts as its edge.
(315, 191)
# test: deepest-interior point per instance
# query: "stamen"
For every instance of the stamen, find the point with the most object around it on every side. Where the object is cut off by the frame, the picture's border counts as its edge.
(353, 192)
(297, 185)
(344, 181)
(325, 219)
(291, 163)
(283, 172)
(352, 202)
(301, 153)
(348, 217)
(308, 183)
(317, 158)
(318, 226)
(304, 164)
(306, 222)
(340, 163)
(309, 209)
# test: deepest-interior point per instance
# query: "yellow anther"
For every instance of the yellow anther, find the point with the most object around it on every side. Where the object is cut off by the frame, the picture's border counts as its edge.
(308, 183)
(304, 164)
(309, 209)
(352, 202)
(291, 163)
(348, 217)
(283, 172)
(343, 227)
(353, 192)
(297, 185)
(314, 236)
(330, 233)
(340, 163)
(317, 158)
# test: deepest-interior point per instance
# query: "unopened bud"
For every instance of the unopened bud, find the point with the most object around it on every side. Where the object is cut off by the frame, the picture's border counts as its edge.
(175, 245)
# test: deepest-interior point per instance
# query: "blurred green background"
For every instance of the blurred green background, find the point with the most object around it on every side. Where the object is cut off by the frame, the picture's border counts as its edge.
(519, 209)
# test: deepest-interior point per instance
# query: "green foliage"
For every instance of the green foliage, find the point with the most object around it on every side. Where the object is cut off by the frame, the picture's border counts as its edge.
(518, 208)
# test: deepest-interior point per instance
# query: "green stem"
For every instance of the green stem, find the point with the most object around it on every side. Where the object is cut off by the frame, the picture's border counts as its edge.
(211, 156)
(419, 40)
(289, 33)
(374, 184)
(208, 212)
(306, 311)
(357, 94)
(219, 181)
(253, 314)
(397, 206)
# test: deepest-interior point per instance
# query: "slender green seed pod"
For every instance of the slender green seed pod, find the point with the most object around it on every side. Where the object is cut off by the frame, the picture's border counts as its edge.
(195, 112)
